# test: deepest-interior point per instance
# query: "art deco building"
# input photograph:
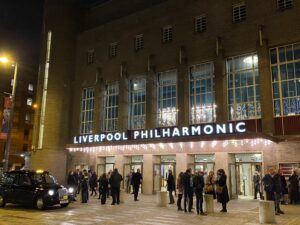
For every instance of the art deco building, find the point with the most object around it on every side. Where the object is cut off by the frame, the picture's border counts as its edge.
(169, 85)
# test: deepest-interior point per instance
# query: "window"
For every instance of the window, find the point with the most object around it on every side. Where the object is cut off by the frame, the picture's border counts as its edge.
(90, 57)
(284, 4)
(167, 34)
(137, 103)
(111, 107)
(139, 42)
(30, 87)
(285, 70)
(87, 111)
(167, 99)
(243, 87)
(113, 49)
(24, 180)
(29, 101)
(200, 23)
(202, 99)
(27, 118)
(239, 12)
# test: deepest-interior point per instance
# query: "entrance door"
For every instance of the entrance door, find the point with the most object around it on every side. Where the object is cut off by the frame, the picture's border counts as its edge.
(131, 167)
(100, 169)
(160, 175)
(204, 167)
(233, 181)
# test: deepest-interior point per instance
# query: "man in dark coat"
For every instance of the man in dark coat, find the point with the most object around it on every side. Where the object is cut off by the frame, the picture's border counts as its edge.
(171, 186)
(103, 188)
(278, 190)
(187, 190)
(294, 188)
(115, 184)
(256, 184)
(198, 183)
(84, 187)
(136, 181)
(222, 190)
(269, 185)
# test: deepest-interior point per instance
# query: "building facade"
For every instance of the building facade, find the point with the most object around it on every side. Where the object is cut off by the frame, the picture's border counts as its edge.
(152, 86)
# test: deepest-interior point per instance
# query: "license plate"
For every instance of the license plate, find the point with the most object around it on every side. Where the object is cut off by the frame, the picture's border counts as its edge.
(63, 201)
(65, 197)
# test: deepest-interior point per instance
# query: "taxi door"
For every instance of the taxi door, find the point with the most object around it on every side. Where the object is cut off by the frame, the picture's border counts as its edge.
(24, 190)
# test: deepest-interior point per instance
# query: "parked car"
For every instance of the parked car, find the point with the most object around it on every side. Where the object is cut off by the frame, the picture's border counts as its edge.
(37, 188)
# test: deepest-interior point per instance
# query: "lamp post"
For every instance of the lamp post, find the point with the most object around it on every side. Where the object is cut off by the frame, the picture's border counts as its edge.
(11, 116)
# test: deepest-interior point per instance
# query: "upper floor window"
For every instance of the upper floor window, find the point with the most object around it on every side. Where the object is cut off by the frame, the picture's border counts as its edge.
(137, 103)
(167, 34)
(239, 12)
(30, 87)
(29, 101)
(111, 103)
(200, 23)
(202, 99)
(243, 87)
(87, 111)
(284, 4)
(167, 99)
(113, 49)
(90, 57)
(139, 42)
(285, 69)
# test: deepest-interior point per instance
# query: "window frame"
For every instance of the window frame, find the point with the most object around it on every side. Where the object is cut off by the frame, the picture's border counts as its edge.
(113, 49)
(286, 4)
(241, 17)
(198, 27)
(139, 42)
(111, 110)
(167, 34)
(87, 100)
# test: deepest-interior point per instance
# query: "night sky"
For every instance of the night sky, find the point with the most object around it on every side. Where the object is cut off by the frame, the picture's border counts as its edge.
(20, 29)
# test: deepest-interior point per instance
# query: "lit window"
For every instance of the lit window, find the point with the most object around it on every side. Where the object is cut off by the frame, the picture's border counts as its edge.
(87, 111)
(137, 103)
(284, 4)
(200, 23)
(239, 12)
(167, 99)
(139, 42)
(111, 107)
(29, 101)
(167, 34)
(285, 70)
(243, 87)
(27, 118)
(202, 99)
(90, 57)
(30, 87)
(113, 49)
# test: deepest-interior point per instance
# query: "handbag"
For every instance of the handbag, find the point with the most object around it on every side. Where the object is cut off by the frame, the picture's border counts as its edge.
(219, 189)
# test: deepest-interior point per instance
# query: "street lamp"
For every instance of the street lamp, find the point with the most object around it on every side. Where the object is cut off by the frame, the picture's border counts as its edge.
(11, 117)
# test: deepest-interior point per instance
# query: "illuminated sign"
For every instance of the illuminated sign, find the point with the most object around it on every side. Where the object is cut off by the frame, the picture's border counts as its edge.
(166, 132)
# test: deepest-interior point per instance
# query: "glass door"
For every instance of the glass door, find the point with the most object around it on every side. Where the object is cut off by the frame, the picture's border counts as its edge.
(156, 177)
(100, 169)
(233, 181)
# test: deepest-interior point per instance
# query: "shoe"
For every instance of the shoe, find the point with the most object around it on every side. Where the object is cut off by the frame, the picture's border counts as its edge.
(191, 211)
(185, 211)
(277, 214)
(197, 212)
(118, 203)
(223, 210)
(203, 214)
(281, 212)
(180, 209)
(112, 203)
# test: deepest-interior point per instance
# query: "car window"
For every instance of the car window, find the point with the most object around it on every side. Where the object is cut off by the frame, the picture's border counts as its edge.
(9, 178)
(43, 178)
(24, 179)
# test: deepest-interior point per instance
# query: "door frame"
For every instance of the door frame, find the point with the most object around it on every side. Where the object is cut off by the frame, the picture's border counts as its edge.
(160, 177)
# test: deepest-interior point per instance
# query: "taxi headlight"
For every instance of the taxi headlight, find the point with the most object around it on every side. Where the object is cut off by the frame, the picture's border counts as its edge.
(51, 192)
(71, 190)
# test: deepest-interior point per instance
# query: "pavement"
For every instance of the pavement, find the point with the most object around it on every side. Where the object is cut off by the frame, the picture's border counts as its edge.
(142, 212)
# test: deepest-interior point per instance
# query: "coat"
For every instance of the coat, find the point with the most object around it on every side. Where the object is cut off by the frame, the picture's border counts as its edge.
(103, 185)
(223, 196)
(115, 180)
(186, 182)
(136, 179)
(179, 185)
(170, 183)
(198, 184)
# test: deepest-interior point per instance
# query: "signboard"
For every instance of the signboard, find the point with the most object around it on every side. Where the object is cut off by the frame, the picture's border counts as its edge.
(5, 117)
(167, 132)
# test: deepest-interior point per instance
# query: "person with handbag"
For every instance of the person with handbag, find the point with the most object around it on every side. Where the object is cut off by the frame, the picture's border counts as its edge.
(209, 187)
(222, 190)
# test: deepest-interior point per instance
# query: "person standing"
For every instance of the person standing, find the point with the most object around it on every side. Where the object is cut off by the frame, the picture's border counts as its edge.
(284, 188)
(93, 183)
(278, 190)
(84, 187)
(179, 191)
(294, 188)
(103, 186)
(209, 187)
(171, 186)
(198, 183)
(187, 190)
(72, 183)
(222, 190)
(257, 185)
(137, 180)
(115, 184)
(129, 181)
(268, 183)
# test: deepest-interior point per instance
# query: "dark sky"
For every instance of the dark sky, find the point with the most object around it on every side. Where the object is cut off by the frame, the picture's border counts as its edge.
(20, 29)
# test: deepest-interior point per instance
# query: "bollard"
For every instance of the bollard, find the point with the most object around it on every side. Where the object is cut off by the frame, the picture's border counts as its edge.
(161, 198)
(209, 203)
(266, 212)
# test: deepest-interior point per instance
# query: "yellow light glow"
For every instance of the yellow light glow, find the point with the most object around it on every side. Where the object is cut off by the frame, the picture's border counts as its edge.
(35, 106)
(4, 60)
(39, 171)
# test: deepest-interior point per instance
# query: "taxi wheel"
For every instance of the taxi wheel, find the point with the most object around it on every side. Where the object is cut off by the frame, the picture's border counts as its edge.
(2, 202)
(64, 205)
(40, 204)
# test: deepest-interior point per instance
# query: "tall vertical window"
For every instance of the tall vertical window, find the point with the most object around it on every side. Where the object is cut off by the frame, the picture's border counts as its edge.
(202, 100)
(167, 99)
(139, 42)
(243, 87)
(200, 23)
(87, 111)
(284, 4)
(90, 56)
(285, 68)
(137, 103)
(239, 12)
(167, 34)
(113, 49)
(111, 107)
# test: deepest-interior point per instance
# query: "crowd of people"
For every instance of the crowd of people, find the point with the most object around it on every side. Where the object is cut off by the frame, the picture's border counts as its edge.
(185, 187)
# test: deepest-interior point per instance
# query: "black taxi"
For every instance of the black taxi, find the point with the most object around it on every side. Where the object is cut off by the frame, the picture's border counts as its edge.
(37, 188)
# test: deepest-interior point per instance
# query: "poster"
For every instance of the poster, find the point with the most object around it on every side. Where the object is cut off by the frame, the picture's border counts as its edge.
(5, 117)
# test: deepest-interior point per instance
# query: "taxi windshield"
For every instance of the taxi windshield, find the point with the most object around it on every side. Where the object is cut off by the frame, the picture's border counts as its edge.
(43, 179)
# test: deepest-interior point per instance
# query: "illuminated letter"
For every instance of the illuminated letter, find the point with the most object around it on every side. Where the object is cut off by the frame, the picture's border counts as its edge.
(221, 128)
(84, 138)
(166, 132)
(124, 137)
(196, 130)
(151, 133)
(102, 137)
(156, 135)
(75, 140)
(144, 134)
(117, 136)
(175, 132)
(109, 137)
(208, 129)
(91, 138)
(96, 138)
(136, 133)
(230, 128)
(185, 131)
(238, 127)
